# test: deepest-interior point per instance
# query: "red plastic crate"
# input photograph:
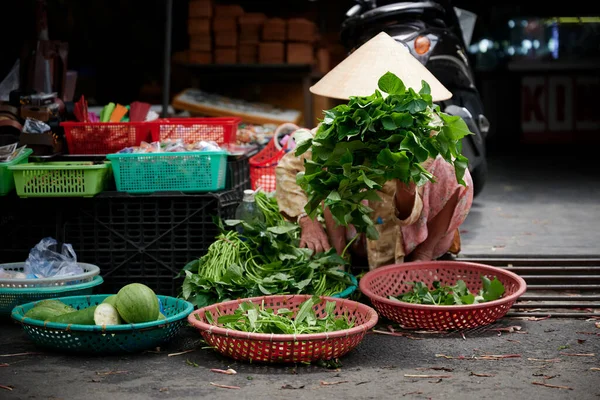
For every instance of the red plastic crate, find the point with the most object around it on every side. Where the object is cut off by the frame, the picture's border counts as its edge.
(222, 130)
(107, 137)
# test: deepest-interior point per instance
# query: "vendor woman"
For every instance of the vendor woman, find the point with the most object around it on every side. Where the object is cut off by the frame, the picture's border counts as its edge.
(414, 223)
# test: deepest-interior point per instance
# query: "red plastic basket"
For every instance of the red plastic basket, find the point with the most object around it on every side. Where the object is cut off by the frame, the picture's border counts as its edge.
(262, 167)
(274, 348)
(106, 137)
(392, 280)
(111, 137)
(219, 129)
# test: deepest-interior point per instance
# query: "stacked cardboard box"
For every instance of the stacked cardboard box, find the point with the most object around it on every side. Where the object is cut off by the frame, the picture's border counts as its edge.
(301, 36)
(199, 30)
(225, 34)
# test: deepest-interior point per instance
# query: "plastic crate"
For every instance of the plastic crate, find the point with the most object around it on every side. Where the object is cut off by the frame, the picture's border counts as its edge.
(238, 173)
(219, 129)
(7, 181)
(262, 167)
(60, 179)
(189, 171)
(146, 239)
(107, 137)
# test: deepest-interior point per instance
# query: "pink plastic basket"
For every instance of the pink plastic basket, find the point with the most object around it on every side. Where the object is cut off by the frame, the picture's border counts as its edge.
(273, 348)
(392, 280)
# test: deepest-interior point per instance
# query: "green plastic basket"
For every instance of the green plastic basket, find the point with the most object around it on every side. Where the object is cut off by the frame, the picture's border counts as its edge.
(7, 182)
(61, 179)
(12, 297)
(189, 171)
(349, 290)
(103, 340)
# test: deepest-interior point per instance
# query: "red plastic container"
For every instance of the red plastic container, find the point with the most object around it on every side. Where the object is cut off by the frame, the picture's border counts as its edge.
(280, 348)
(262, 167)
(107, 137)
(222, 130)
(111, 137)
(392, 280)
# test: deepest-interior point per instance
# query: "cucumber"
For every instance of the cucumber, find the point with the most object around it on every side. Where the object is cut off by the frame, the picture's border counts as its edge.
(84, 316)
(47, 309)
(106, 314)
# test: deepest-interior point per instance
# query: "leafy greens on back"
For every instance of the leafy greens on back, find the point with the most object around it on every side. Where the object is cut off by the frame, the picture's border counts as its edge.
(370, 140)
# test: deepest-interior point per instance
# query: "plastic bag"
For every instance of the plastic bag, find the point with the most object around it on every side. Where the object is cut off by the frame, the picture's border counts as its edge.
(44, 261)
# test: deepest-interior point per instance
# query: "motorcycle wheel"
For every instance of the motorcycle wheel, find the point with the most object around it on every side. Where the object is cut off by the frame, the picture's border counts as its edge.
(479, 176)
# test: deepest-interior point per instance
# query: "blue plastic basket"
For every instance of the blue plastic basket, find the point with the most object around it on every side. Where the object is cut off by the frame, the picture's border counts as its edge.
(102, 340)
(190, 171)
(12, 297)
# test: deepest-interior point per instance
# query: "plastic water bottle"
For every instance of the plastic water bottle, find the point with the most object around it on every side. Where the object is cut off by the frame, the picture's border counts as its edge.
(248, 210)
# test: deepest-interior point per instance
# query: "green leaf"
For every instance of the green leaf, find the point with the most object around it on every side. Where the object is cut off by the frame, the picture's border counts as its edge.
(334, 196)
(402, 120)
(279, 230)
(425, 89)
(370, 183)
(492, 290)
(461, 163)
(391, 84)
(303, 147)
(468, 298)
(388, 123)
(454, 127)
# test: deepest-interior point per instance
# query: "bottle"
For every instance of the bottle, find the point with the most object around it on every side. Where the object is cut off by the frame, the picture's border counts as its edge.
(248, 210)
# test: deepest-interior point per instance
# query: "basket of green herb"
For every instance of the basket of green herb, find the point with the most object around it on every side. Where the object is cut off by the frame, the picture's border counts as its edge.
(442, 295)
(288, 328)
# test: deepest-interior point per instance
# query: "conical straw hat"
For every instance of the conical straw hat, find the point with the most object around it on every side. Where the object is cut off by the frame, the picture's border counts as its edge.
(358, 74)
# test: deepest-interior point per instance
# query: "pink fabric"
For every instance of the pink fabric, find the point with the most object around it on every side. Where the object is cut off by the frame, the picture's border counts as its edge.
(435, 196)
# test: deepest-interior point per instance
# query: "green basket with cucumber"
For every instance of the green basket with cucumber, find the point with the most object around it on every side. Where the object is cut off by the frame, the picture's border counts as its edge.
(133, 320)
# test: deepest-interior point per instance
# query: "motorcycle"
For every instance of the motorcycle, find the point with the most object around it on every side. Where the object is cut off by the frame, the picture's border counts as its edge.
(432, 32)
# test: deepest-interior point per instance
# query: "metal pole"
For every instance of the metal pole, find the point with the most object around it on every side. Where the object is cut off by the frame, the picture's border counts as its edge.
(167, 58)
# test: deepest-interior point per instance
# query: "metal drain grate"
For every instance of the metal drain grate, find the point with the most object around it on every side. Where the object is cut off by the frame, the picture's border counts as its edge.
(556, 287)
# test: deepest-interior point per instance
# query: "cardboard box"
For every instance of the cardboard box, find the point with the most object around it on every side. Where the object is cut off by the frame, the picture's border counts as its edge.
(323, 60)
(301, 30)
(200, 57)
(198, 26)
(200, 9)
(300, 53)
(251, 25)
(226, 39)
(248, 53)
(228, 10)
(274, 30)
(226, 56)
(224, 24)
(271, 53)
(201, 42)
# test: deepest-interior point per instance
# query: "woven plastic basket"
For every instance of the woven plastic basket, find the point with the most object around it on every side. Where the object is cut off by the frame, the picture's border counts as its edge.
(263, 165)
(274, 348)
(103, 340)
(7, 181)
(61, 179)
(392, 280)
(12, 297)
(89, 272)
(187, 171)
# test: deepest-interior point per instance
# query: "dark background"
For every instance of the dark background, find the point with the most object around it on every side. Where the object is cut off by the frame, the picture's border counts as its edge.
(117, 47)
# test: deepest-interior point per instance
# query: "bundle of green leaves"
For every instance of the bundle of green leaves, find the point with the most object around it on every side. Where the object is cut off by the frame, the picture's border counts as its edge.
(457, 294)
(371, 140)
(250, 317)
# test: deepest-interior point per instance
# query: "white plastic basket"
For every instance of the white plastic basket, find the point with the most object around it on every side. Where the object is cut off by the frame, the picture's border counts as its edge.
(89, 272)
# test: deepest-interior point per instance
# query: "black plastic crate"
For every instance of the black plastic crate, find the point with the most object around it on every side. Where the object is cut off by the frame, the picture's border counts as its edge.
(146, 239)
(238, 173)
(23, 224)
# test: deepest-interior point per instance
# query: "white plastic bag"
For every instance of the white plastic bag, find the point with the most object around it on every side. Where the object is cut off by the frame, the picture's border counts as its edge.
(45, 261)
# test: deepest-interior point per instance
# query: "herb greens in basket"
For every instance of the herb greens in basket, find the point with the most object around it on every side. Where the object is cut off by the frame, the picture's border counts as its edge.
(458, 294)
(250, 317)
(363, 144)
(265, 259)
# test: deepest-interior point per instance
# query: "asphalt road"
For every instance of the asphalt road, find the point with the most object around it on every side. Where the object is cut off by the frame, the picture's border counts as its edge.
(559, 352)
